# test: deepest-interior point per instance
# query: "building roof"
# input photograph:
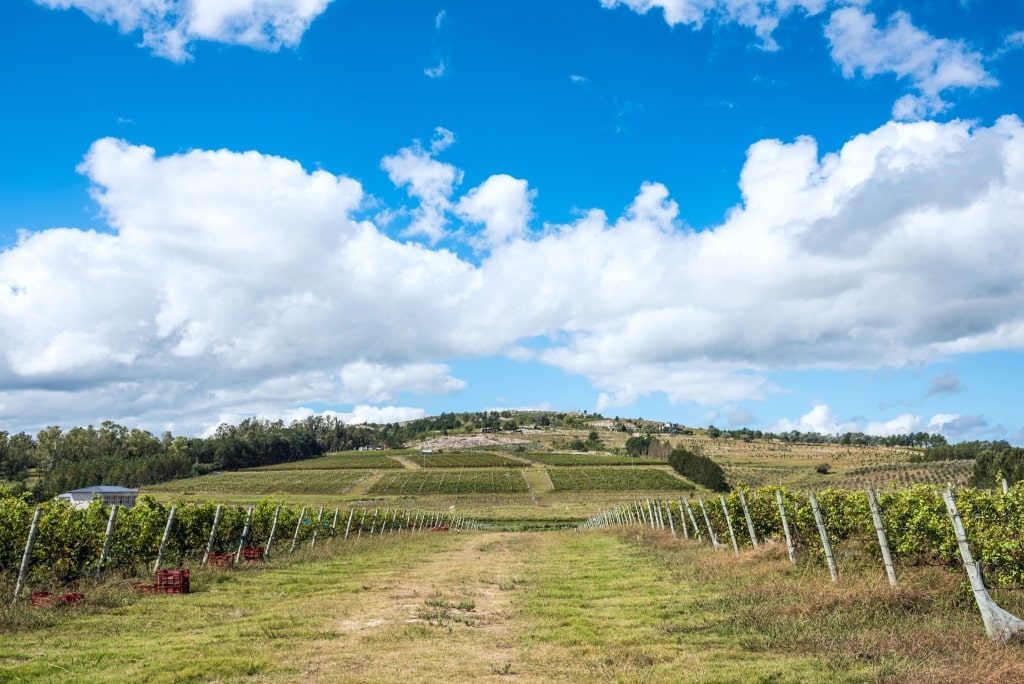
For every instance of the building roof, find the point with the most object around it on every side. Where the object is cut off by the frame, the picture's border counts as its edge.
(103, 489)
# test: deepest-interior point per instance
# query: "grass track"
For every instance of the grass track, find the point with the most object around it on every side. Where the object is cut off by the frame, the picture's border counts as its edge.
(627, 606)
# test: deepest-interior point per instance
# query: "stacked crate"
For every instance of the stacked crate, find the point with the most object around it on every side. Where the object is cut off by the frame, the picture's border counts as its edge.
(172, 581)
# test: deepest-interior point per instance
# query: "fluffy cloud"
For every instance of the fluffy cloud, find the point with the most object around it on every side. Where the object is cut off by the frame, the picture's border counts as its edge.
(819, 419)
(427, 180)
(240, 283)
(760, 16)
(931, 65)
(502, 204)
(169, 26)
(376, 382)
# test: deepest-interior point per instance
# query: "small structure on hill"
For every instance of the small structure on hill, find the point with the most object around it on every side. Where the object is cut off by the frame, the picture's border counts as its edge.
(81, 498)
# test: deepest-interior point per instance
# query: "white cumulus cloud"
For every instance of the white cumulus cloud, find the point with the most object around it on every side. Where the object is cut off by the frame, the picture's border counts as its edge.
(169, 27)
(239, 283)
(931, 65)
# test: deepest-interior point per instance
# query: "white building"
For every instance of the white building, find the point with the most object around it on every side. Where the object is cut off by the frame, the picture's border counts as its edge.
(80, 498)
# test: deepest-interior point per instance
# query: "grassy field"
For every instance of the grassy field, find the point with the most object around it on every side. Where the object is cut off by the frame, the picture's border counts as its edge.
(630, 605)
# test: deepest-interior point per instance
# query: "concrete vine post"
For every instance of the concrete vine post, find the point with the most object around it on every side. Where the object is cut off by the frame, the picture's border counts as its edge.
(213, 534)
(108, 539)
(682, 521)
(246, 531)
(163, 542)
(298, 526)
(728, 524)
(693, 520)
(273, 529)
(750, 521)
(707, 521)
(348, 525)
(785, 528)
(825, 544)
(334, 523)
(671, 524)
(316, 530)
(883, 539)
(26, 557)
(1000, 625)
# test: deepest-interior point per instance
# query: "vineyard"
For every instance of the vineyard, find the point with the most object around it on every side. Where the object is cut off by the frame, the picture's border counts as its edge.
(615, 479)
(556, 459)
(463, 459)
(427, 483)
(375, 460)
(256, 482)
(70, 542)
(915, 519)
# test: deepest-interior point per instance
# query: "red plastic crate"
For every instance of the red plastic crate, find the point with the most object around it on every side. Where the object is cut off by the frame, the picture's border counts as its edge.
(252, 553)
(221, 559)
(42, 598)
(172, 581)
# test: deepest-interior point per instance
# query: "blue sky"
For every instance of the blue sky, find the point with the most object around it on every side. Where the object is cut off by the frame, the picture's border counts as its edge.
(788, 214)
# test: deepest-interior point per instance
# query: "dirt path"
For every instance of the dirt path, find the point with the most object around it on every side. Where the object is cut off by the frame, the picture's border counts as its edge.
(450, 617)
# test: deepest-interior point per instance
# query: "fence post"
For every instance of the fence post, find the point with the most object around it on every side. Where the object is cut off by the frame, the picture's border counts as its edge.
(273, 530)
(245, 535)
(682, 521)
(728, 523)
(298, 526)
(824, 538)
(785, 528)
(750, 521)
(26, 558)
(883, 540)
(999, 624)
(163, 542)
(213, 534)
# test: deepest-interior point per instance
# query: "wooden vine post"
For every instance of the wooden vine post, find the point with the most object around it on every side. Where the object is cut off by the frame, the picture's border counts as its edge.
(1000, 625)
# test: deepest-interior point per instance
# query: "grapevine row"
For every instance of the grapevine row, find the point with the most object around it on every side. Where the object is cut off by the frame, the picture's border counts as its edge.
(69, 541)
(915, 520)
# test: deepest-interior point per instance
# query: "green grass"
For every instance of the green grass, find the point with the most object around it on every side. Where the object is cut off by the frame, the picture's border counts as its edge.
(632, 605)
(259, 483)
(426, 482)
(615, 479)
